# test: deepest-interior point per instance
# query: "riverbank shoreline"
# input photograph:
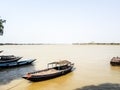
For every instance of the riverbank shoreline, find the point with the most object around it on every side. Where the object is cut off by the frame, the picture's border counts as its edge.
(59, 43)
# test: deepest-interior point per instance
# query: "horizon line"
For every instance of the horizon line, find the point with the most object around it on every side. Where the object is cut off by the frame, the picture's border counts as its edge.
(90, 43)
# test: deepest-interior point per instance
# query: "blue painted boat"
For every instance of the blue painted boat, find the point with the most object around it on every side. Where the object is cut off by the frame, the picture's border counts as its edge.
(18, 63)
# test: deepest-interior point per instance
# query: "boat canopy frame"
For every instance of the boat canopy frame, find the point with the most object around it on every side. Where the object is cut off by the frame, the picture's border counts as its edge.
(59, 64)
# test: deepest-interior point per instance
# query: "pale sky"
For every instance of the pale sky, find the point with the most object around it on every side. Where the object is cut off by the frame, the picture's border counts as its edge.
(60, 21)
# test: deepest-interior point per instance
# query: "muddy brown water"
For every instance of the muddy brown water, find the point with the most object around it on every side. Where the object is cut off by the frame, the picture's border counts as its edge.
(92, 66)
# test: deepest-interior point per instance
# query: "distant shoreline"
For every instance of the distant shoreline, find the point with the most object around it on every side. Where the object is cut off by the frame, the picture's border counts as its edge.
(59, 43)
(95, 43)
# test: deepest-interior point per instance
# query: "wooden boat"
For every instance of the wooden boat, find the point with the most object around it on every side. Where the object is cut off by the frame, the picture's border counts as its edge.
(9, 58)
(58, 69)
(18, 63)
(115, 61)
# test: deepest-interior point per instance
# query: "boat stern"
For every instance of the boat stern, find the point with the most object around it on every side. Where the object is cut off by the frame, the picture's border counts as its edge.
(27, 76)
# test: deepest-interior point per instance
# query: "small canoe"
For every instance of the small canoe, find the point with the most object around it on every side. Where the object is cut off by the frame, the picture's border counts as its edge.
(18, 63)
(9, 58)
(115, 61)
(58, 69)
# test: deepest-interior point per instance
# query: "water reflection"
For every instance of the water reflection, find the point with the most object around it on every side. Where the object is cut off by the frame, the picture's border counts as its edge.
(9, 74)
(115, 68)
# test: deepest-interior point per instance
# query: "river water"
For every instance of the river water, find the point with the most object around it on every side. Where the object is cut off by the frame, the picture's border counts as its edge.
(92, 66)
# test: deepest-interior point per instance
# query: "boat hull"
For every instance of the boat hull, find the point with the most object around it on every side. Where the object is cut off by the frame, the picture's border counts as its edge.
(14, 64)
(115, 63)
(49, 76)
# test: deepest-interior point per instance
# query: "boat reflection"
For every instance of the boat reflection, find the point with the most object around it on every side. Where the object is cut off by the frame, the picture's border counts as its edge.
(9, 74)
(116, 68)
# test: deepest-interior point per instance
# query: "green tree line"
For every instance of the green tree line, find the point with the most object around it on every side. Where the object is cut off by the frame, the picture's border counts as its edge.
(1, 26)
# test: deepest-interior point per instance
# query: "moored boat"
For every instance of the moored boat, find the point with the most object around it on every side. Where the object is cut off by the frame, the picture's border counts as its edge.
(58, 69)
(18, 63)
(115, 61)
(9, 58)
(1, 51)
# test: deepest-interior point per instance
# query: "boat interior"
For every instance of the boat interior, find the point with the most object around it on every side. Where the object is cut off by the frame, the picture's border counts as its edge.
(49, 71)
